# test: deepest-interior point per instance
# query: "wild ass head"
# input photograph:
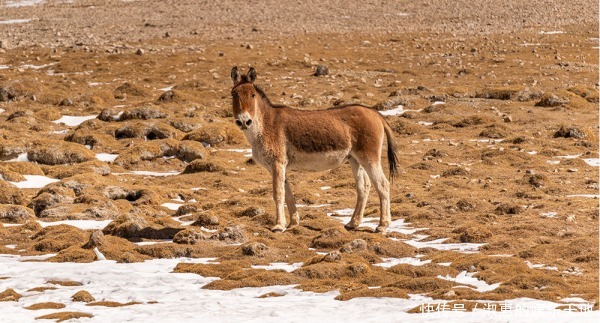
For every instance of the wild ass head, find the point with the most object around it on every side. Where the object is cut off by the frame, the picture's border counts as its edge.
(245, 97)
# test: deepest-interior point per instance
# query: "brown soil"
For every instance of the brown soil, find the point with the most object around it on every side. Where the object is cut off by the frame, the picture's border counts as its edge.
(47, 305)
(10, 295)
(111, 304)
(484, 167)
(64, 316)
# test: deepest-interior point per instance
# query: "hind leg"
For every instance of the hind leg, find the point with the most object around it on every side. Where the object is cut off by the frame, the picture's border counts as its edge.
(363, 185)
(382, 185)
(290, 201)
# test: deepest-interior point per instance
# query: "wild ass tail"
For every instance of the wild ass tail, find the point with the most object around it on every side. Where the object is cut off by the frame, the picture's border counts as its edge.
(391, 150)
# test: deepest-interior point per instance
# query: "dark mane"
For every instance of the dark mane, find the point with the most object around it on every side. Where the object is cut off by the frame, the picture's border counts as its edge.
(265, 98)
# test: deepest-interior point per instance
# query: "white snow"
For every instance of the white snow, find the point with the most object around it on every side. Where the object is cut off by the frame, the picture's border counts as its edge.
(21, 3)
(99, 255)
(592, 161)
(540, 266)
(34, 181)
(280, 266)
(550, 214)
(172, 206)
(425, 123)
(81, 224)
(14, 21)
(342, 212)
(395, 226)
(468, 279)
(168, 88)
(35, 67)
(325, 188)
(173, 297)
(553, 32)
(246, 151)
(568, 156)
(11, 246)
(391, 262)
(440, 245)
(148, 243)
(106, 157)
(4, 67)
(399, 110)
(73, 121)
(21, 158)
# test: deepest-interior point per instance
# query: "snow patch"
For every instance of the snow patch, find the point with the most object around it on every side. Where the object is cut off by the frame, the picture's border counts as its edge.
(22, 3)
(592, 161)
(73, 121)
(468, 279)
(34, 181)
(399, 110)
(106, 157)
(391, 262)
(14, 21)
(21, 158)
(440, 245)
(172, 206)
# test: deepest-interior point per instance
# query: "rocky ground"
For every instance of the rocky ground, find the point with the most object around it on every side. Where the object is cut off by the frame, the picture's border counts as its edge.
(498, 141)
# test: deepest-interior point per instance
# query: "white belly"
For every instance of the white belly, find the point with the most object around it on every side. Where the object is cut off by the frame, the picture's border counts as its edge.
(318, 161)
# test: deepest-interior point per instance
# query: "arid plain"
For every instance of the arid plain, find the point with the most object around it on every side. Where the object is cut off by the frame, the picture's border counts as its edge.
(494, 110)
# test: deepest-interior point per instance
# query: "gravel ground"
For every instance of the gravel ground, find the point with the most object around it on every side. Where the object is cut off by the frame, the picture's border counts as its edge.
(93, 22)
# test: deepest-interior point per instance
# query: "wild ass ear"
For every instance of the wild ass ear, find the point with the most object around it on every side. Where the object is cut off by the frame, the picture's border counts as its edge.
(235, 75)
(251, 74)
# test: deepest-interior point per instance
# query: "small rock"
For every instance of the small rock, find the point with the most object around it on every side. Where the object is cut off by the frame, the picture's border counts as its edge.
(206, 220)
(96, 240)
(252, 212)
(82, 296)
(140, 52)
(254, 249)
(321, 70)
(569, 132)
(332, 256)
(507, 118)
(66, 102)
(188, 236)
(167, 96)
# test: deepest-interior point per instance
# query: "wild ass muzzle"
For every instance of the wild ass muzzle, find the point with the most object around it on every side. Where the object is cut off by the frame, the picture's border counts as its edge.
(283, 138)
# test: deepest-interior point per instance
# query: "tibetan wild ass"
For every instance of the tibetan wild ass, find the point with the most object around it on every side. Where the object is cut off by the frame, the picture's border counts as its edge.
(284, 138)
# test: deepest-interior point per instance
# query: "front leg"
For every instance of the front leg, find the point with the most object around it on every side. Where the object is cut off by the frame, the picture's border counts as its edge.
(279, 196)
(290, 201)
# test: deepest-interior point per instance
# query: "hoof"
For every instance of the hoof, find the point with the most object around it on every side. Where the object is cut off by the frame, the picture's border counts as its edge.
(294, 221)
(278, 228)
(350, 227)
(381, 229)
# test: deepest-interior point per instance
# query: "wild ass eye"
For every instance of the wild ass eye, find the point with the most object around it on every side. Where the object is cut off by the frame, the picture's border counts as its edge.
(253, 94)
